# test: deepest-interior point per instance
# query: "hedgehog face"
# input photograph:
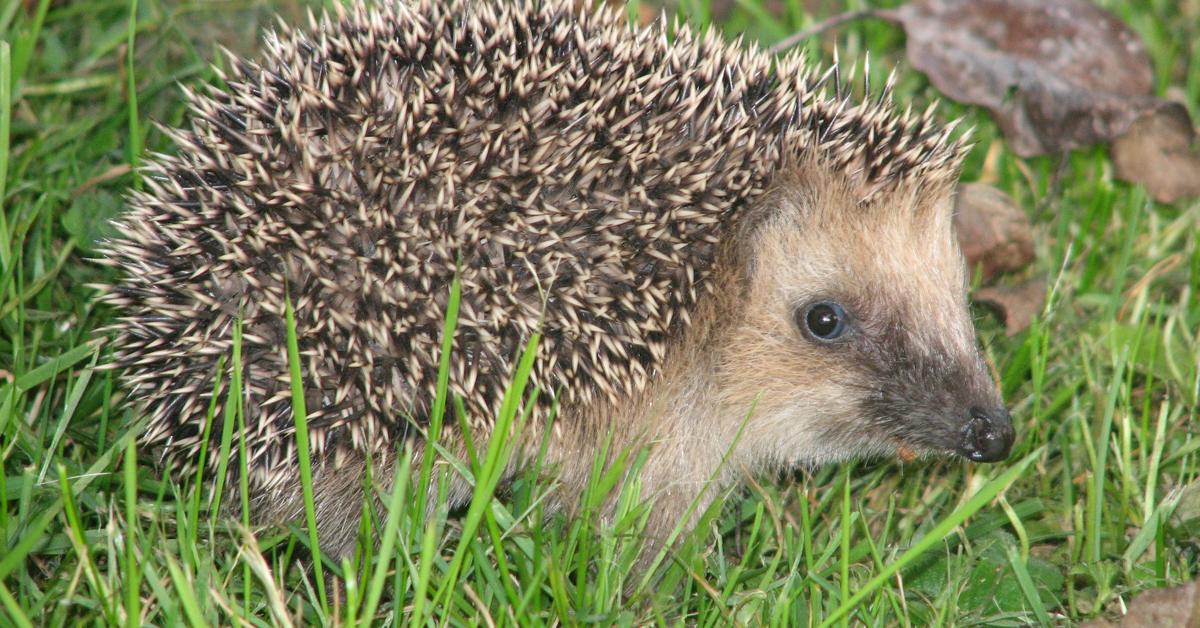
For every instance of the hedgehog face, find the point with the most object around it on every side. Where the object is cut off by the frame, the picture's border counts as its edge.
(857, 338)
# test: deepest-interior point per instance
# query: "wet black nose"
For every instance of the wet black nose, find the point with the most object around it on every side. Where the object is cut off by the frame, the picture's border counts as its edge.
(987, 436)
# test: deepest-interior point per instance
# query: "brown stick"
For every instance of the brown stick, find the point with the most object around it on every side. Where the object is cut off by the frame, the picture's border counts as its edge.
(822, 26)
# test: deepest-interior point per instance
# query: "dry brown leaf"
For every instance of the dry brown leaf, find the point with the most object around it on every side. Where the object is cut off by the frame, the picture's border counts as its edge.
(1056, 75)
(1160, 608)
(992, 230)
(1159, 150)
(1017, 305)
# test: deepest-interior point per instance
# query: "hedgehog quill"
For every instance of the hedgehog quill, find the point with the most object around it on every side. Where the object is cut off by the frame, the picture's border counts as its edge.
(700, 233)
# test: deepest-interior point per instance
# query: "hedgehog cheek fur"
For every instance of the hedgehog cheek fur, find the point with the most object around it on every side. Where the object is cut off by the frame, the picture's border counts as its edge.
(906, 377)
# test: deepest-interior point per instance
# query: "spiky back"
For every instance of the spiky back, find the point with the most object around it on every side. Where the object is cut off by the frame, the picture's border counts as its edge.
(578, 176)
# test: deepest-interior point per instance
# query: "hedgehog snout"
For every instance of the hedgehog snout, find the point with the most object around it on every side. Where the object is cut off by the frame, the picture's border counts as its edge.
(987, 435)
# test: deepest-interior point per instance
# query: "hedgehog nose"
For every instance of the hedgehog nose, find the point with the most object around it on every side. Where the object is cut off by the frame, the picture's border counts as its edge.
(987, 436)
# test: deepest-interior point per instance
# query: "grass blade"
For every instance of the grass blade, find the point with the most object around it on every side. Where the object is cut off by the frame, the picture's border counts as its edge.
(935, 535)
(300, 413)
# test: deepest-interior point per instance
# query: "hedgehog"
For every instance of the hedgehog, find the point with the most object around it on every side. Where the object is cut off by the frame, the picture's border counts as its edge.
(728, 259)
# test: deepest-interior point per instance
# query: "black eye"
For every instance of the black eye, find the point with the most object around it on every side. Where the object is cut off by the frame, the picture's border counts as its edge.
(825, 320)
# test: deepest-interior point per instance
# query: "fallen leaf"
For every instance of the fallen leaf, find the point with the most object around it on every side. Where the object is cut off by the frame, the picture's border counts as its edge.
(1056, 75)
(1159, 151)
(1159, 608)
(992, 229)
(1017, 305)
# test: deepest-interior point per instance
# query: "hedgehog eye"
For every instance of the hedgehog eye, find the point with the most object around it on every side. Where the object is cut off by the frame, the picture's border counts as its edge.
(824, 321)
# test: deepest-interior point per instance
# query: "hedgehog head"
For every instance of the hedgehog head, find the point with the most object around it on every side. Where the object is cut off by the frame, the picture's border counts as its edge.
(855, 335)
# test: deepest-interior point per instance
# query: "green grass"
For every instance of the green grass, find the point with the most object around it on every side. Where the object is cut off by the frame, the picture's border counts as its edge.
(1091, 510)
